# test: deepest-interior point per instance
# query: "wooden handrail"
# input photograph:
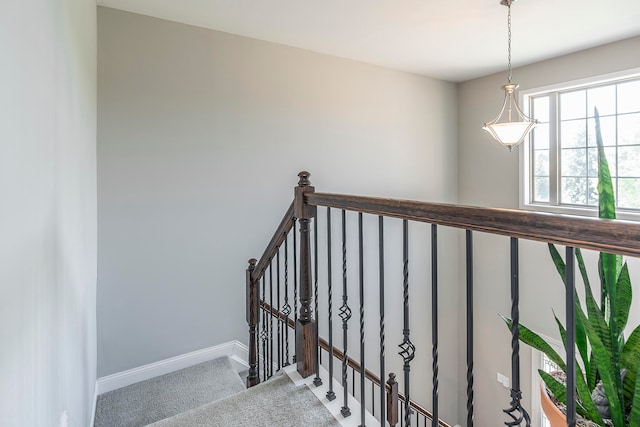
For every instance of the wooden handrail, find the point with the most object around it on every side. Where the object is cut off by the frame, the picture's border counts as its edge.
(613, 236)
(352, 363)
(286, 224)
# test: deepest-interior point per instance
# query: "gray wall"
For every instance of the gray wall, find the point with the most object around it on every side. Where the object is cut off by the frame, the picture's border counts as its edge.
(200, 138)
(488, 176)
(48, 215)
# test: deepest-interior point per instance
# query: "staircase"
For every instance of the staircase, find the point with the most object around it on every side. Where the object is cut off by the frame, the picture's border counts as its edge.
(213, 394)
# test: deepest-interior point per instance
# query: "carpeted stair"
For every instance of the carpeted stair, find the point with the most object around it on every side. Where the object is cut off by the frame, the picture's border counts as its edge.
(211, 394)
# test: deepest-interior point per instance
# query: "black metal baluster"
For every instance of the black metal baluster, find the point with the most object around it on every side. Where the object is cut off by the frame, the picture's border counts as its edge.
(469, 250)
(382, 337)
(317, 381)
(434, 321)
(407, 348)
(278, 319)
(331, 395)
(271, 318)
(361, 294)
(516, 412)
(264, 335)
(353, 382)
(295, 278)
(286, 310)
(571, 337)
(345, 315)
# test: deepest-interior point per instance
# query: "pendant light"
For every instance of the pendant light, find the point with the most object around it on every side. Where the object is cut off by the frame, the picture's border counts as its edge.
(511, 126)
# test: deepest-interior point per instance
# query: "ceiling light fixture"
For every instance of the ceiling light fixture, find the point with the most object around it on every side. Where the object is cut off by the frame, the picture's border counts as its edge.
(511, 126)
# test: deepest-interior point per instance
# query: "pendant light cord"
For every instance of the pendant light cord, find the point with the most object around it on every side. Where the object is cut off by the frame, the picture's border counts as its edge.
(509, 27)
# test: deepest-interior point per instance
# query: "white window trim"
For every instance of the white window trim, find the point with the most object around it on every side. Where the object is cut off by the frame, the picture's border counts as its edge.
(525, 156)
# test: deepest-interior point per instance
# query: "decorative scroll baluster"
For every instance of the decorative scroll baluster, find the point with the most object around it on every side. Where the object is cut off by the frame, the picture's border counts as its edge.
(317, 381)
(278, 319)
(286, 309)
(345, 315)
(252, 319)
(571, 337)
(271, 318)
(331, 395)
(295, 280)
(361, 295)
(264, 335)
(516, 412)
(306, 331)
(469, 250)
(382, 337)
(392, 400)
(434, 320)
(407, 348)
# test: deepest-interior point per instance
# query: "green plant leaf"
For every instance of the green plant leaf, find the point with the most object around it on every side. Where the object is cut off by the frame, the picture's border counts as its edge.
(584, 392)
(534, 340)
(634, 417)
(606, 200)
(624, 295)
(629, 361)
(559, 391)
(609, 372)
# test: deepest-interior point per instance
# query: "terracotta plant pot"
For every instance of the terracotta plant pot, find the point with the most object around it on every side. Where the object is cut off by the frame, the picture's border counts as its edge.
(554, 415)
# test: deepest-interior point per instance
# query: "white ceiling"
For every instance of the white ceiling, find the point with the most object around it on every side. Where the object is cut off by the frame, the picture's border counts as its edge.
(449, 40)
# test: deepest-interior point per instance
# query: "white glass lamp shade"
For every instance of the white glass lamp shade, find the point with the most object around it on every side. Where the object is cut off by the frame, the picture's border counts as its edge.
(511, 126)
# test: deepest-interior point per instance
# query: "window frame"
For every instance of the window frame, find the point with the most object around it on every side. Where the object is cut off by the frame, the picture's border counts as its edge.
(526, 161)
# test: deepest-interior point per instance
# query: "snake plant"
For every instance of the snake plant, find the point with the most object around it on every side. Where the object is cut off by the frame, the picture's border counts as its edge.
(607, 389)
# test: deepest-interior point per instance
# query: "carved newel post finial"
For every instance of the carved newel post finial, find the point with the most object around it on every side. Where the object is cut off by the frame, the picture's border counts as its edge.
(304, 179)
(252, 264)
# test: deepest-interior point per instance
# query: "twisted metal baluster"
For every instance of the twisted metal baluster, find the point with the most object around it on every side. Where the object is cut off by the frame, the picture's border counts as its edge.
(407, 348)
(331, 395)
(317, 381)
(271, 318)
(361, 295)
(434, 321)
(516, 412)
(286, 310)
(382, 337)
(345, 315)
(263, 333)
(469, 254)
(278, 320)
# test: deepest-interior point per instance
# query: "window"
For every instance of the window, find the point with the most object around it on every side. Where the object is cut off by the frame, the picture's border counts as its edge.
(560, 159)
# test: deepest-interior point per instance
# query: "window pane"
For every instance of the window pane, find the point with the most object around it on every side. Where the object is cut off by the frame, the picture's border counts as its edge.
(592, 162)
(607, 128)
(541, 163)
(629, 129)
(573, 134)
(592, 191)
(629, 161)
(574, 162)
(573, 105)
(629, 97)
(603, 98)
(541, 137)
(541, 109)
(574, 191)
(629, 193)
(541, 189)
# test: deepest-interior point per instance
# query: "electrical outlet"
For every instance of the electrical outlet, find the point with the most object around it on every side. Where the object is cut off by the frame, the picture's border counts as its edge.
(503, 379)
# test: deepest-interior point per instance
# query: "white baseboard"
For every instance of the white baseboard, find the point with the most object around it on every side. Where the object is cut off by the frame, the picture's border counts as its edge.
(235, 350)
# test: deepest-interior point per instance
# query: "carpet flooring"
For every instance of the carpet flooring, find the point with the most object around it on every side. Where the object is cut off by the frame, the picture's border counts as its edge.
(274, 403)
(162, 397)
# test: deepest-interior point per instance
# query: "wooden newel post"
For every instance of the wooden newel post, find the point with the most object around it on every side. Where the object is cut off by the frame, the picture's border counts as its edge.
(392, 400)
(306, 332)
(252, 321)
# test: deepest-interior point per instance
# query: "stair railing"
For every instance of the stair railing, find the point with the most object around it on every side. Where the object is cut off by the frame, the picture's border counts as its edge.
(613, 236)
